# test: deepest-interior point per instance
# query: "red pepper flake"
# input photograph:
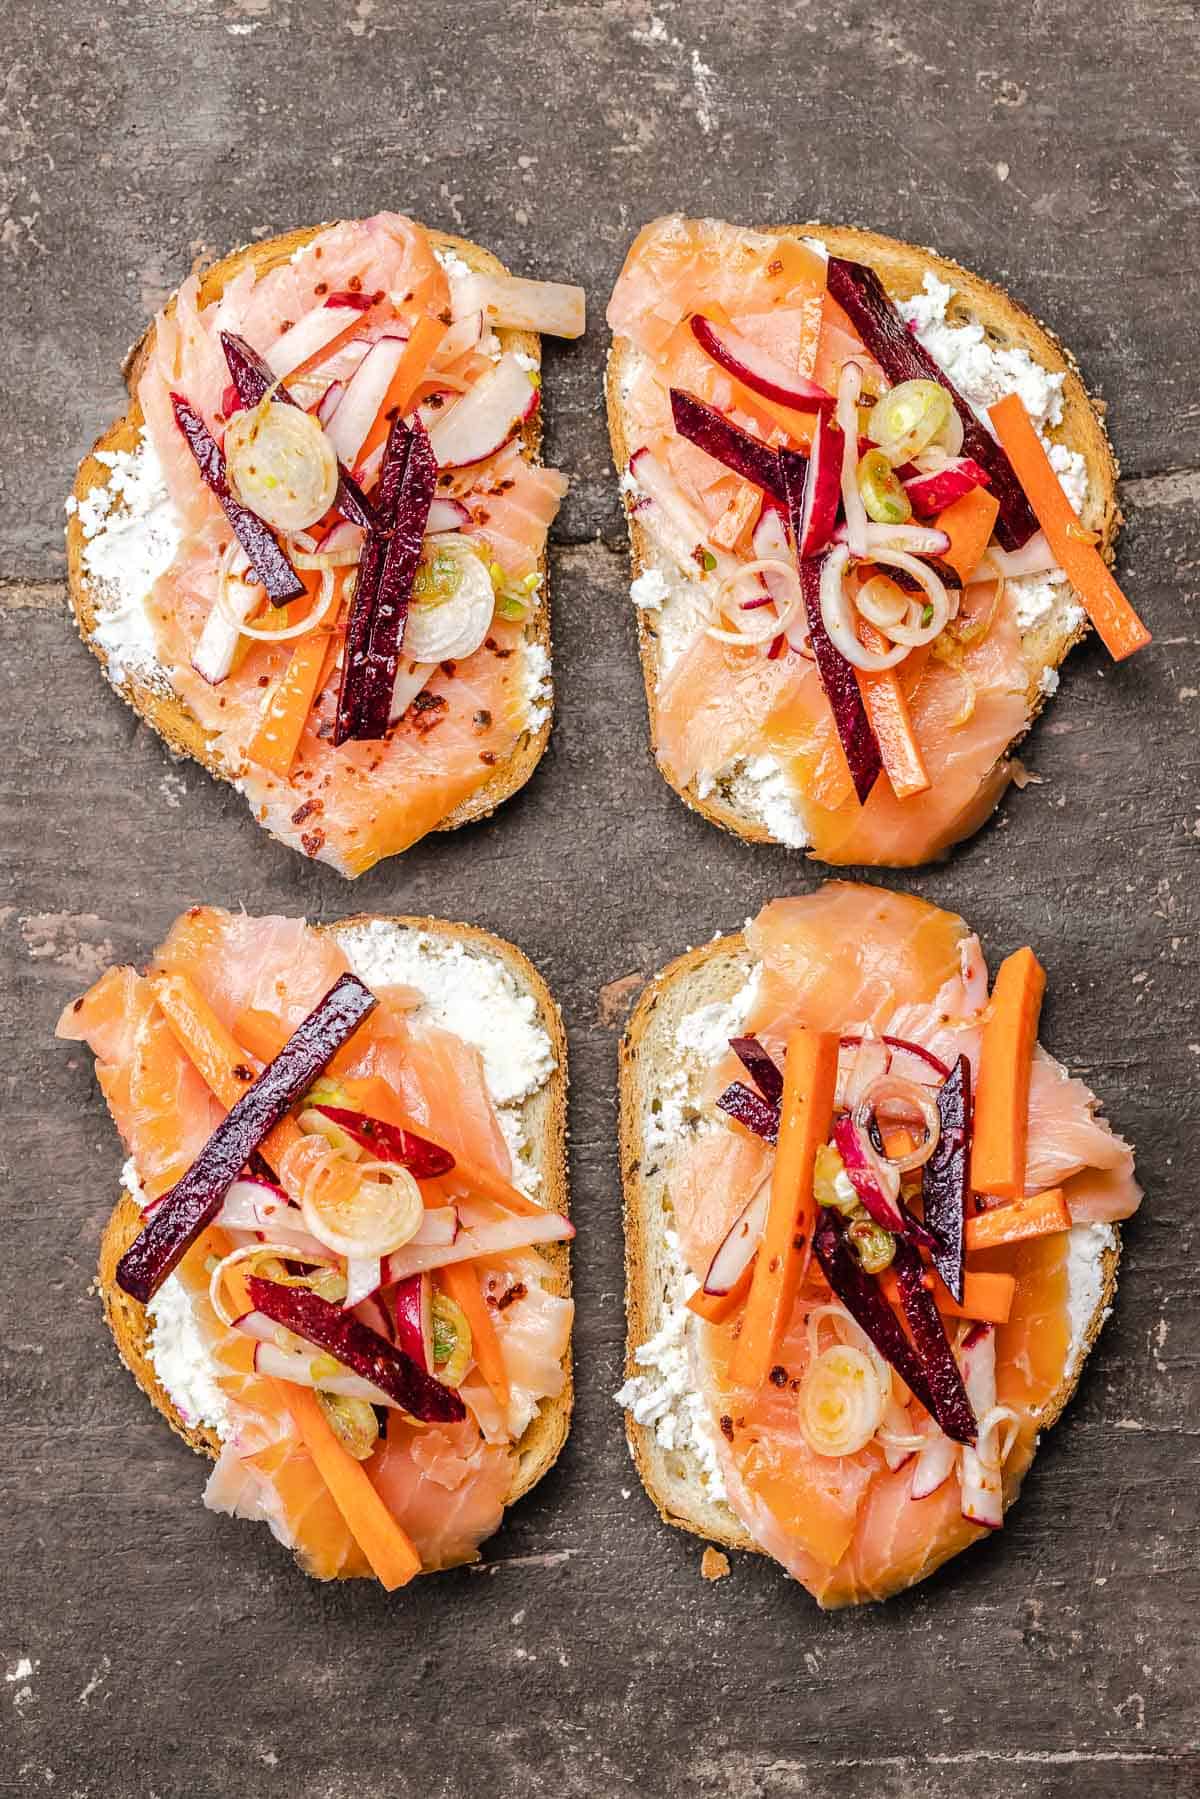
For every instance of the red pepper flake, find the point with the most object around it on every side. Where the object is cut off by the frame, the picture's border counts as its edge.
(481, 515)
(322, 287)
(313, 843)
(727, 1428)
(488, 757)
(510, 1297)
(242, 1073)
(449, 668)
(426, 711)
(483, 718)
(775, 268)
(778, 1376)
(489, 643)
(307, 810)
(355, 284)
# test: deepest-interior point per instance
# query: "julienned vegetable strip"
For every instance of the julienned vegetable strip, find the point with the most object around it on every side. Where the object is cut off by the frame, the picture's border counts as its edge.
(393, 1559)
(806, 1119)
(418, 353)
(891, 720)
(987, 1298)
(277, 739)
(854, 729)
(969, 524)
(461, 1282)
(1005, 1066)
(214, 1053)
(1036, 1216)
(194, 1201)
(944, 1177)
(1121, 630)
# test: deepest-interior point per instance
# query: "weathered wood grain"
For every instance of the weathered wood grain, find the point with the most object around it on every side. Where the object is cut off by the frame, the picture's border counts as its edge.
(175, 1653)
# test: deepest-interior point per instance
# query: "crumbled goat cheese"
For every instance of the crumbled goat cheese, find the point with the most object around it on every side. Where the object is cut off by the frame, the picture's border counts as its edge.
(181, 1361)
(1048, 681)
(470, 994)
(529, 363)
(759, 785)
(819, 245)
(1086, 1244)
(535, 685)
(704, 1033)
(665, 1397)
(649, 590)
(132, 533)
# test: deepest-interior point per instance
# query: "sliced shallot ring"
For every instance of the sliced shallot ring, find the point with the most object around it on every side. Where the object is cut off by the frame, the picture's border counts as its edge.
(898, 1086)
(935, 592)
(836, 616)
(286, 1252)
(774, 622)
(399, 1210)
(315, 617)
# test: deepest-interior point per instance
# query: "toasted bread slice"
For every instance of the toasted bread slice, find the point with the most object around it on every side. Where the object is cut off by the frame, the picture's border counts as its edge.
(1007, 325)
(543, 1117)
(153, 698)
(649, 1068)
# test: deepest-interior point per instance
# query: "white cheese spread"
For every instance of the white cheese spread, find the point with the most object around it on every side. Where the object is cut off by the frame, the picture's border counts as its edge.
(131, 535)
(181, 1361)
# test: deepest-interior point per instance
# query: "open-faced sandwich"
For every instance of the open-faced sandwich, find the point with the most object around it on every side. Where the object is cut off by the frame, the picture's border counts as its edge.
(870, 506)
(871, 1233)
(312, 553)
(339, 1265)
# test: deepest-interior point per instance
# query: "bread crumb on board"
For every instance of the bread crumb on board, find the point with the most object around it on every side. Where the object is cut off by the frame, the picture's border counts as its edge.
(714, 1565)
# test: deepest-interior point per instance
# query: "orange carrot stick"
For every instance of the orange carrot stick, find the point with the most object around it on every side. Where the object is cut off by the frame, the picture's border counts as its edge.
(419, 352)
(381, 1539)
(1034, 1216)
(969, 524)
(887, 708)
(1005, 1066)
(805, 1120)
(461, 1282)
(987, 1298)
(1120, 628)
(715, 1308)
(215, 1054)
(277, 739)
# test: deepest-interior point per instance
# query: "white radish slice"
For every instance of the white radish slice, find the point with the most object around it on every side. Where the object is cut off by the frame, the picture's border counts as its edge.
(849, 389)
(739, 1243)
(454, 627)
(858, 1065)
(481, 1240)
(446, 515)
(411, 678)
(485, 418)
(550, 306)
(365, 393)
(772, 544)
(439, 1225)
(412, 1307)
(218, 641)
(329, 402)
(293, 1365)
(363, 1275)
(679, 527)
(935, 1464)
(463, 335)
(254, 1205)
(982, 1476)
(310, 334)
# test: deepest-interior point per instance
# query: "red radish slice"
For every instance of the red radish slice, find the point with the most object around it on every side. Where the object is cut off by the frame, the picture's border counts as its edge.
(194, 1201)
(327, 405)
(412, 1305)
(411, 679)
(551, 307)
(480, 1240)
(255, 1205)
(858, 1067)
(462, 336)
(820, 485)
(388, 1143)
(883, 1206)
(365, 393)
(739, 1244)
(346, 1338)
(310, 334)
(935, 1463)
(758, 368)
(272, 567)
(931, 492)
(482, 422)
(440, 1225)
(447, 515)
(920, 1064)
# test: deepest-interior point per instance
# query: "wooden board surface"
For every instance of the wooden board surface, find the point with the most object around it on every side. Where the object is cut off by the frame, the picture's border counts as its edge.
(149, 1647)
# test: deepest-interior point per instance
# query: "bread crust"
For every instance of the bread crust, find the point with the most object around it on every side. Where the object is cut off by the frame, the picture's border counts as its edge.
(544, 1116)
(715, 972)
(157, 702)
(901, 267)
